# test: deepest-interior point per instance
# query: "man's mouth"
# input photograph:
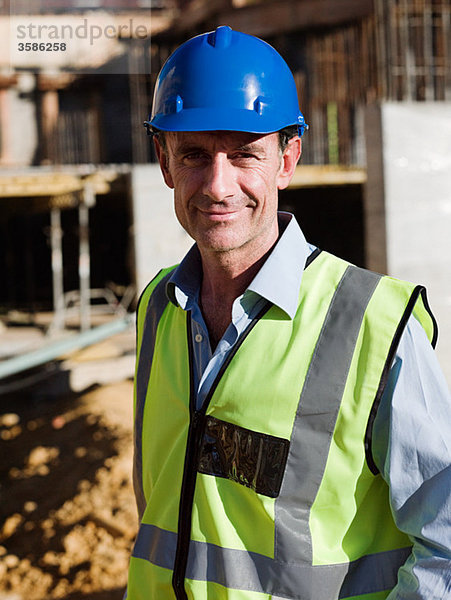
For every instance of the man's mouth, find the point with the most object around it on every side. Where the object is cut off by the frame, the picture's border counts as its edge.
(219, 215)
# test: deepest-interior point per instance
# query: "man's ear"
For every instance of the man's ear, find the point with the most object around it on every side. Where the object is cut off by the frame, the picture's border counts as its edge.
(163, 160)
(290, 158)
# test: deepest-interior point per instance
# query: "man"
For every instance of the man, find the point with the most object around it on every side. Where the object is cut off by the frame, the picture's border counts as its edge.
(290, 417)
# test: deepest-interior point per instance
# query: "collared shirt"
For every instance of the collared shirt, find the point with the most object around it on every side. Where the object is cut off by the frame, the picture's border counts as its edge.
(411, 435)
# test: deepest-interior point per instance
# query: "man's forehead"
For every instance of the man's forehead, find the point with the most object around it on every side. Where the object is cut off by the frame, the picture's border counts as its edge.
(219, 139)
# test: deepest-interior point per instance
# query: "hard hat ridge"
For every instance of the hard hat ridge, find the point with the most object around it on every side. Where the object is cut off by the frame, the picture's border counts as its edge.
(221, 37)
(225, 80)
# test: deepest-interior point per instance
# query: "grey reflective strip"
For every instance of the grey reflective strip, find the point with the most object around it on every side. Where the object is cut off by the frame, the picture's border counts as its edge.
(157, 304)
(249, 571)
(317, 413)
(374, 570)
(156, 545)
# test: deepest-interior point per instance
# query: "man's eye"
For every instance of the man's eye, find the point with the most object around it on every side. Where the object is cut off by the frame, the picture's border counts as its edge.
(194, 156)
(244, 156)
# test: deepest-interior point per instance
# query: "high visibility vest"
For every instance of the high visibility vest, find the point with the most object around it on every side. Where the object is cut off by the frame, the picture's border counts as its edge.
(270, 490)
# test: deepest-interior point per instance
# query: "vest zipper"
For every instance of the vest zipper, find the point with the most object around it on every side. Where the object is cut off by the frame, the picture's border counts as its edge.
(186, 504)
(188, 481)
(193, 446)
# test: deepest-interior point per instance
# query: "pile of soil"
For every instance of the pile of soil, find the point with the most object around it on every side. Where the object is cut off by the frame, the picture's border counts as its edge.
(67, 510)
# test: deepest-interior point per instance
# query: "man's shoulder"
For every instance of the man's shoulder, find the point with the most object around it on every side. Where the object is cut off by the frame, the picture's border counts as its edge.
(162, 274)
(331, 261)
(393, 299)
(159, 280)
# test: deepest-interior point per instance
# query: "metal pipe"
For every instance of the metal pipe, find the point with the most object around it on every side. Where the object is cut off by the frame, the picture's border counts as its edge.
(53, 350)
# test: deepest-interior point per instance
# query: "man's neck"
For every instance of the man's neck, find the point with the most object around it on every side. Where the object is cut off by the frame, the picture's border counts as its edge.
(226, 276)
(223, 281)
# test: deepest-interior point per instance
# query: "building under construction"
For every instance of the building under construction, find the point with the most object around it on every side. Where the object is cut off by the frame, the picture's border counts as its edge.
(84, 210)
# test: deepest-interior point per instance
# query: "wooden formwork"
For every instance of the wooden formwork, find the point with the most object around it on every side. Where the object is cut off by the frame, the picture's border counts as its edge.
(400, 53)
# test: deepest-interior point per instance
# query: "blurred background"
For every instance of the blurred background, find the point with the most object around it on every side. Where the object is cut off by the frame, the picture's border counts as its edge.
(86, 221)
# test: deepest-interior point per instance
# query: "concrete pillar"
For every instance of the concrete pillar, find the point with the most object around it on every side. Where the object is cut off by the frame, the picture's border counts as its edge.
(5, 132)
(84, 259)
(56, 236)
(49, 120)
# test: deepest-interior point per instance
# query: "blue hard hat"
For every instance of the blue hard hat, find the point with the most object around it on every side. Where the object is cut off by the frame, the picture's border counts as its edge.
(225, 80)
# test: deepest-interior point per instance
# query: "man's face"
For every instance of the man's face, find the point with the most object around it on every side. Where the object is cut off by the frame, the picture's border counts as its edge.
(226, 186)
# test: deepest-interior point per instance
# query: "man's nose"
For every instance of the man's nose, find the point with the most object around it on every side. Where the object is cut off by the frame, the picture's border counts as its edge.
(220, 178)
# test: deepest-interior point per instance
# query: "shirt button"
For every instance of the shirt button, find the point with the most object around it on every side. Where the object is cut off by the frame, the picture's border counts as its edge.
(198, 337)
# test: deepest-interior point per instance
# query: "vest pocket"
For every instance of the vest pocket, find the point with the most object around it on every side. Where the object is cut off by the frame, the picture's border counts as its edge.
(255, 460)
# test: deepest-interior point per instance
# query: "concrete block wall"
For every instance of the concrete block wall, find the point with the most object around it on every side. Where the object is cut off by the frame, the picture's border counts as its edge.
(417, 180)
(159, 239)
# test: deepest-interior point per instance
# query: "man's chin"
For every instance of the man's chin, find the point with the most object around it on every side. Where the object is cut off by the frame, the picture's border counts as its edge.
(219, 243)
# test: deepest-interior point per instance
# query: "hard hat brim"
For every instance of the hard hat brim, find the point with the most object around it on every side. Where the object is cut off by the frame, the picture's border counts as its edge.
(202, 119)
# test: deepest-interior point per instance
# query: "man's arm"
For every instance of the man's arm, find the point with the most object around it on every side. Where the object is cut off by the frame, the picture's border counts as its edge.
(412, 449)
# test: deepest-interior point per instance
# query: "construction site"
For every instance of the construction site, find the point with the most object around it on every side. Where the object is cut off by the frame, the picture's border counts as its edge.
(86, 221)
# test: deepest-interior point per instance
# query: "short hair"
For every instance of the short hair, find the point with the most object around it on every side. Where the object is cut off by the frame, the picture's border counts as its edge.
(160, 135)
(285, 135)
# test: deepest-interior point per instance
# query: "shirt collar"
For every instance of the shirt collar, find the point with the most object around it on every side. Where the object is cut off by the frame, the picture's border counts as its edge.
(278, 280)
(183, 286)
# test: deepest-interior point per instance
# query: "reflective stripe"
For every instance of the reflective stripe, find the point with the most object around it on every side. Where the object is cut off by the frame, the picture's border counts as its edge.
(317, 413)
(157, 304)
(249, 571)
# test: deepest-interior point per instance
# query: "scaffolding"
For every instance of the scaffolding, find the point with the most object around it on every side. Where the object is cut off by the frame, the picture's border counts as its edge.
(62, 190)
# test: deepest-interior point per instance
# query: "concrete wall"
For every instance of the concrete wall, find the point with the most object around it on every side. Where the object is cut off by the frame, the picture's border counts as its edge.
(417, 175)
(19, 134)
(159, 239)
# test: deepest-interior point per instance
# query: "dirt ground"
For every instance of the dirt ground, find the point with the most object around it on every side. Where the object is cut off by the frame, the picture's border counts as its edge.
(67, 511)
